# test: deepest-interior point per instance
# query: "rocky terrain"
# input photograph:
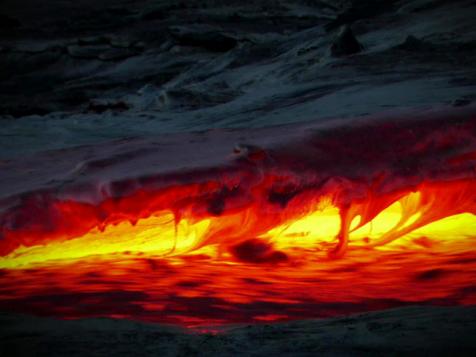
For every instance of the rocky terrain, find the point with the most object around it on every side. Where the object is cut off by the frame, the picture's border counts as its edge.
(78, 73)
(95, 92)
(415, 331)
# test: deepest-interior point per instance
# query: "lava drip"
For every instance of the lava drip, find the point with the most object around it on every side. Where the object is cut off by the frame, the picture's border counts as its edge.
(363, 189)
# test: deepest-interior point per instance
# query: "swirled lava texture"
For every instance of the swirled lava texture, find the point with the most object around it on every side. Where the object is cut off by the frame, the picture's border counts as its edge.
(346, 218)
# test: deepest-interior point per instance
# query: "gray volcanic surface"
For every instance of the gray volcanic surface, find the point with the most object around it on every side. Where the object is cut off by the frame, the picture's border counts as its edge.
(83, 72)
(419, 331)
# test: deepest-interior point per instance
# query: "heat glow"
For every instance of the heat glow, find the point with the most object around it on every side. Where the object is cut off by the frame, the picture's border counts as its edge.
(309, 229)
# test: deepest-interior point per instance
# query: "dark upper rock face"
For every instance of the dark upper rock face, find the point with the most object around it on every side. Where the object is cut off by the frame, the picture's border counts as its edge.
(412, 43)
(345, 43)
(200, 64)
(360, 10)
(203, 36)
(7, 22)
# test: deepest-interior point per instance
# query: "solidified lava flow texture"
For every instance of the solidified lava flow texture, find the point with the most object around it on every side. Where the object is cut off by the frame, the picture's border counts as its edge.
(348, 218)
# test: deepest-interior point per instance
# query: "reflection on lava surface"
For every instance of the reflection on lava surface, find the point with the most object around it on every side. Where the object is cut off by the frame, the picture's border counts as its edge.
(339, 222)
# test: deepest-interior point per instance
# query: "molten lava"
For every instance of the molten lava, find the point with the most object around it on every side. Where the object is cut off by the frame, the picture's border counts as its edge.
(348, 219)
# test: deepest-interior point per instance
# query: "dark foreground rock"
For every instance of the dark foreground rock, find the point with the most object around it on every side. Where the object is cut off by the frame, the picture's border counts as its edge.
(427, 331)
(345, 43)
(203, 36)
(7, 22)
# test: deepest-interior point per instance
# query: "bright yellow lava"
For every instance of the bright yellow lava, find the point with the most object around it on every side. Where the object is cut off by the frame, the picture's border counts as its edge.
(323, 225)
(158, 235)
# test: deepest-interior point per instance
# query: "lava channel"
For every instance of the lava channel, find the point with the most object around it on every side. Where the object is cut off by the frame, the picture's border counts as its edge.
(348, 218)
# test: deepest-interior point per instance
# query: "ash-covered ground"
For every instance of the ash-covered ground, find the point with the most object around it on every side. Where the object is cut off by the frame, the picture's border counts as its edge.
(90, 91)
(413, 331)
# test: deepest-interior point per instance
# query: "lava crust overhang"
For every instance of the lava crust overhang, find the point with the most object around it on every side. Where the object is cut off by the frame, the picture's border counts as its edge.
(349, 160)
(88, 173)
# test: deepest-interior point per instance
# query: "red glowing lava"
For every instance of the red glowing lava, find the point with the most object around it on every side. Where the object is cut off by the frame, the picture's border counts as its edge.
(347, 218)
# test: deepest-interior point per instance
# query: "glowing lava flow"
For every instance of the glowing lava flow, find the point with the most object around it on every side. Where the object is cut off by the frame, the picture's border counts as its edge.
(310, 229)
(444, 210)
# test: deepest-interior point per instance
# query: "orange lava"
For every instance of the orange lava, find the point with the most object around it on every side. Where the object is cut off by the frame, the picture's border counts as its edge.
(280, 234)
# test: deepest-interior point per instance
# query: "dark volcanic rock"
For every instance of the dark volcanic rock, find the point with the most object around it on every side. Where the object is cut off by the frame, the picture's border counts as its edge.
(256, 251)
(120, 11)
(87, 52)
(413, 43)
(100, 106)
(93, 40)
(7, 22)
(360, 10)
(203, 36)
(156, 14)
(461, 102)
(272, 55)
(21, 110)
(116, 54)
(416, 331)
(121, 42)
(345, 43)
